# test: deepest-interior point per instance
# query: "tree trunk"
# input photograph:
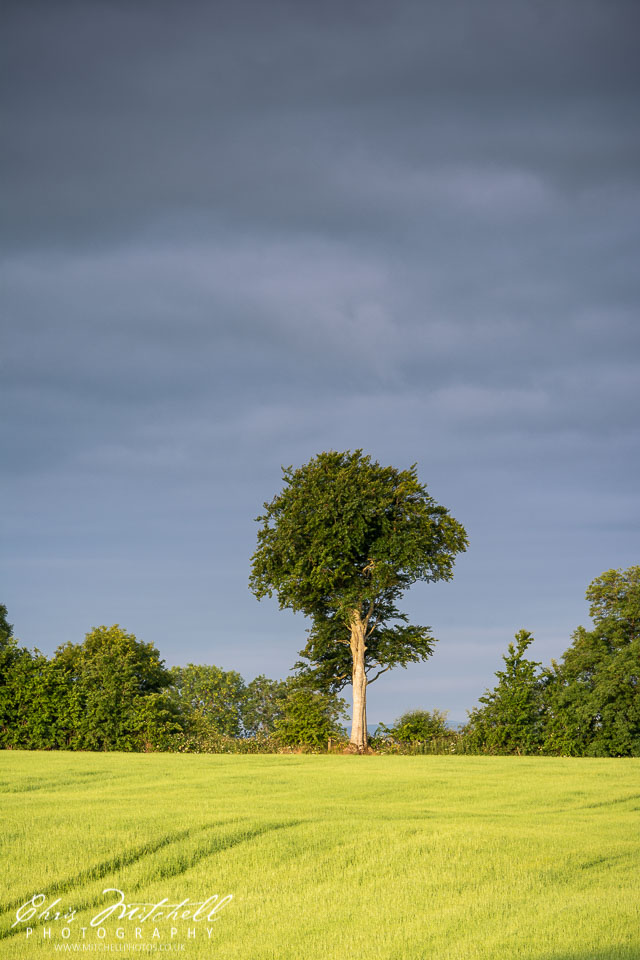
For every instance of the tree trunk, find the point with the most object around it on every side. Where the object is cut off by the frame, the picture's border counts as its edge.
(358, 739)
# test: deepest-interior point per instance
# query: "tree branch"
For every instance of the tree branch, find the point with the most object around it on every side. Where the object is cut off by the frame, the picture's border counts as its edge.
(367, 618)
(375, 624)
(378, 674)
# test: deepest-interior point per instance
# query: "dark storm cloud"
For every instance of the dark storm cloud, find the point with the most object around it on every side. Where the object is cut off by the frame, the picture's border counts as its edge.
(236, 234)
(118, 116)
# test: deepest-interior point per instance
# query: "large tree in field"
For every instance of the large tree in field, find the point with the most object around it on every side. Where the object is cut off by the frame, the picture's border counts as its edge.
(341, 543)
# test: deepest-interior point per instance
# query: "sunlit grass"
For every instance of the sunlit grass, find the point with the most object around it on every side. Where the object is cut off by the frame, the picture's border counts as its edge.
(441, 858)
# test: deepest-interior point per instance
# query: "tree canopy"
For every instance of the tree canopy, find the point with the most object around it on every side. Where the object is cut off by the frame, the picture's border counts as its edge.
(594, 692)
(588, 704)
(511, 718)
(213, 698)
(342, 542)
(115, 685)
(6, 628)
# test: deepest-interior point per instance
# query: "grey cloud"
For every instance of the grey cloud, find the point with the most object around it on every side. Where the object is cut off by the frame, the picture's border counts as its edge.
(115, 340)
(237, 234)
(266, 113)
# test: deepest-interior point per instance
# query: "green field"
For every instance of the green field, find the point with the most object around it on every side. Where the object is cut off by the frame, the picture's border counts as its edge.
(325, 856)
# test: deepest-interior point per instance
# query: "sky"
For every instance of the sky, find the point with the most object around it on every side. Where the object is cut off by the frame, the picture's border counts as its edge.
(236, 234)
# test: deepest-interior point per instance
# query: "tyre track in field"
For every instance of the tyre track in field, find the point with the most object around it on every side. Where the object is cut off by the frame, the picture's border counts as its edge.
(103, 869)
(216, 845)
(84, 780)
(135, 854)
(610, 803)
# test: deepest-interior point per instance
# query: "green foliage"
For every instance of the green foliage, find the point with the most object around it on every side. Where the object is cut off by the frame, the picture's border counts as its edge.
(309, 717)
(586, 705)
(273, 715)
(6, 628)
(36, 700)
(593, 695)
(107, 678)
(210, 742)
(156, 720)
(417, 732)
(8, 655)
(107, 693)
(210, 698)
(418, 726)
(346, 531)
(327, 659)
(511, 720)
(113, 692)
(32, 694)
(346, 534)
(262, 705)
(218, 705)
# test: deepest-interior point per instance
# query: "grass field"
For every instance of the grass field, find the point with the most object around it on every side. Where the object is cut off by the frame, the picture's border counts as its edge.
(441, 858)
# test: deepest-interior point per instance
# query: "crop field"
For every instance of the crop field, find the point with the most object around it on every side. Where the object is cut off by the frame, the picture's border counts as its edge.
(324, 857)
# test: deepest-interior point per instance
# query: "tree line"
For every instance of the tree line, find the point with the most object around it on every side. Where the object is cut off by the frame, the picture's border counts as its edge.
(341, 543)
(114, 692)
(588, 703)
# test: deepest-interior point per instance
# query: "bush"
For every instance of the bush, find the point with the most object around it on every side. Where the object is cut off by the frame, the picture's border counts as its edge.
(416, 731)
(309, 718)
(419, 726)
(221, 743)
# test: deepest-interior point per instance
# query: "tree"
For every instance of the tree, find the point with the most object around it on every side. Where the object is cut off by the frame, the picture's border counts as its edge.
(262, 705)
(341, 543)
(8, 656)
(594, 693)
(211, 699)
(511, 720)
(308, 717)
(30, 694)
(6, 628)
(108, 677)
